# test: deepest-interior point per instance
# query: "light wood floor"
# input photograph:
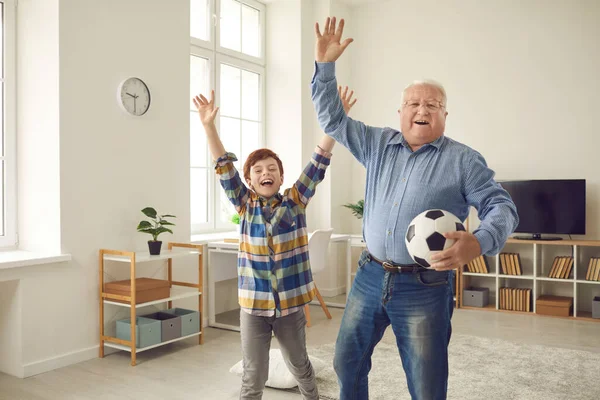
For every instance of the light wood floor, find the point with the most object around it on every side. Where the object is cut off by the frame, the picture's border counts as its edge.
(184, 370)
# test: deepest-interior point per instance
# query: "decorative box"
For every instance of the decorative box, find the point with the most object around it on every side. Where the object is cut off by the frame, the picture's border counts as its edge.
(476, 297)
(170, 325)
(554, 305)
(596, 307)
(190, 320)
(146, 289)
(147, 331)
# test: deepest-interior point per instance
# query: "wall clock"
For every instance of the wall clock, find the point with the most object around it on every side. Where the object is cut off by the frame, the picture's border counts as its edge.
(134, 96)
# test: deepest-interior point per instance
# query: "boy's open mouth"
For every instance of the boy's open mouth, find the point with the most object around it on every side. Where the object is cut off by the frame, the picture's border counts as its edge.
(267, 182)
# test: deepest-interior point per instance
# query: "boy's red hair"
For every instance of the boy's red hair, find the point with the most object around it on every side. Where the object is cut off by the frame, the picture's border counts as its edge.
(259, 155)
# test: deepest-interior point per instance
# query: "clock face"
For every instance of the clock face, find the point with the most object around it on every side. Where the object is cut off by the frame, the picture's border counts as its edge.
(134, 96)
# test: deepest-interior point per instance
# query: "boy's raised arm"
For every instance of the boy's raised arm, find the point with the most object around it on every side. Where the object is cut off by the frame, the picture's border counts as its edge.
(229, 178)
(208, 112)
(314, 172)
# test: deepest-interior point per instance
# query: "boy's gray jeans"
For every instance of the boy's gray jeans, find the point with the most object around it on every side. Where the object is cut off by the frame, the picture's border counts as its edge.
(256, 342)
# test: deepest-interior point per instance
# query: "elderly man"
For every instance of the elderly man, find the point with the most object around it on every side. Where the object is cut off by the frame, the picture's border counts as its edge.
(408, 172)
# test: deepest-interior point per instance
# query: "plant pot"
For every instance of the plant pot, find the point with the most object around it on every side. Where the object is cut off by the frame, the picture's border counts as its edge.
(154, 247)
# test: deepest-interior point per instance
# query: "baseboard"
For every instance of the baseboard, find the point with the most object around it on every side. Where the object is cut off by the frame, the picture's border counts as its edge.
(332, 292)
(39, 367)
(13, 370)
(50, 364)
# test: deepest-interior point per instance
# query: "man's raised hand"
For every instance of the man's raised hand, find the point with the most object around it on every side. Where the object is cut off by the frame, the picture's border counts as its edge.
(329, 46)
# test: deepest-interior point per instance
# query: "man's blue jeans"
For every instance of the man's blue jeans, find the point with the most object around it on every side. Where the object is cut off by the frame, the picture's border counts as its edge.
(418, 306)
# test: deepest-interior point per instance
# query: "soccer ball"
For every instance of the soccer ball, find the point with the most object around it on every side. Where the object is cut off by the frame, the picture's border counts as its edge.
(424, 236)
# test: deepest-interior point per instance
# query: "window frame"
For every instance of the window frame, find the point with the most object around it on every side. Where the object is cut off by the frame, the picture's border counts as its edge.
(209, 224)
(216, 55)
(9, 217)
(212, 18)
(241, 64)
(223, 50)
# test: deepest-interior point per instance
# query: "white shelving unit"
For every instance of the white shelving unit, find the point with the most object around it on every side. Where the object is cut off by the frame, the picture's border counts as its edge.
(176, 294)
(181, 290)
(140, 349)
(536, 260)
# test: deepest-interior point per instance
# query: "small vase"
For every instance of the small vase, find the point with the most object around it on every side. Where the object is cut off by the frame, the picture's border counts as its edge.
(154, 247)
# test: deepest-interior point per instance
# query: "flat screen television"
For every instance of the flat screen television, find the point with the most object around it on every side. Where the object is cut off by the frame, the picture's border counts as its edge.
(553, 206)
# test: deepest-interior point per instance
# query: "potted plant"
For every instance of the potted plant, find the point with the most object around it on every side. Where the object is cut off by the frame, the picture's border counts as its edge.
(155, 227)
(357, 209)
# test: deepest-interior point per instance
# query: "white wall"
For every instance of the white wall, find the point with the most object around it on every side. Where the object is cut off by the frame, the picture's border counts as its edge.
(111, 164)
(521, 78)
(10, 339)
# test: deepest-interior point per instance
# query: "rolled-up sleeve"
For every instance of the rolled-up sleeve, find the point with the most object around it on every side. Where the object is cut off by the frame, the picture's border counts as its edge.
(231, 182)
(497, 211)
(313, 174)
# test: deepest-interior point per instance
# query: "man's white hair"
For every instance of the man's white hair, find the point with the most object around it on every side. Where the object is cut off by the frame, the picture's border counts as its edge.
(428, 82)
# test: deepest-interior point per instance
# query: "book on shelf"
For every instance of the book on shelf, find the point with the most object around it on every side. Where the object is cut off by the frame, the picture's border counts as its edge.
(590, 269)
(553, 267)
(510, 264)
(518, 261)
(515, 299)
(561, 267)
(567, 274)
(479, 265)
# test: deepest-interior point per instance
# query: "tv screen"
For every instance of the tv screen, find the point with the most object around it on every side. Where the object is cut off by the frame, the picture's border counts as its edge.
(549, 206)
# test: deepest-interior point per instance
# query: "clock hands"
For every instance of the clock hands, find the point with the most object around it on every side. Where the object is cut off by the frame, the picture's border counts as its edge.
(134, 96)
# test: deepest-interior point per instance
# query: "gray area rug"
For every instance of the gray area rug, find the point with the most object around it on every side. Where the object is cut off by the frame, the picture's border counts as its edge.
(483, 368)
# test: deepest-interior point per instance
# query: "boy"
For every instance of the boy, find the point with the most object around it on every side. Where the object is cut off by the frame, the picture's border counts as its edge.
(274, 277)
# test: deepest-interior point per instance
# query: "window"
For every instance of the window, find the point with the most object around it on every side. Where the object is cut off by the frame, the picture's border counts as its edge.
(227, 54)
(8, 194)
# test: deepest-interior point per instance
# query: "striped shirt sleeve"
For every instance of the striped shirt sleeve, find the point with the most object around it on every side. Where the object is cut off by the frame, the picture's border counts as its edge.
(314, 172)
(231, 182)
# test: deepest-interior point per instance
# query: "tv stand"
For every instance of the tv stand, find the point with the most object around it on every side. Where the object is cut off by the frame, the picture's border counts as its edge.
(537, 236)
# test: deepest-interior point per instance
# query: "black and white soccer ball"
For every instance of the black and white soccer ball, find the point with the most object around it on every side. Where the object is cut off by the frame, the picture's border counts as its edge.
(424, 236)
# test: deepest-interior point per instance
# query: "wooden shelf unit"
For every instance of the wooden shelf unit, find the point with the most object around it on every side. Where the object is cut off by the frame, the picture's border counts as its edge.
(183, 290)
(537, 256)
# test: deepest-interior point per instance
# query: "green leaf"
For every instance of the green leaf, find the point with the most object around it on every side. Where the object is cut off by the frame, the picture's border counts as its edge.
(235, 218)
(168, 216)
(163, 222)
(149, 212)
(144, 225)
(160, 230)
(357, 209)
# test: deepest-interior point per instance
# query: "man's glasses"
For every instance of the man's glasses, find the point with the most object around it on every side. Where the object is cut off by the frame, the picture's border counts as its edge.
(431, 106)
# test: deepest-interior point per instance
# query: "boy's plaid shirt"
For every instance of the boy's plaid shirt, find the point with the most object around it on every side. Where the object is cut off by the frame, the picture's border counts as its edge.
(274, 276)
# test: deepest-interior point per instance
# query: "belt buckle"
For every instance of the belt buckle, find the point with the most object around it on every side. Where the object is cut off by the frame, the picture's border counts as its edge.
(391, 266)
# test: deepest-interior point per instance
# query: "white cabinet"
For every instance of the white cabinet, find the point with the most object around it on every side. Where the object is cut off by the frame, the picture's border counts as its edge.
(536, 259)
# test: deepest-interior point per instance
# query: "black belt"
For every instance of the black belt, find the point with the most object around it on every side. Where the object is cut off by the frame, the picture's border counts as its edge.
(397, 268)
